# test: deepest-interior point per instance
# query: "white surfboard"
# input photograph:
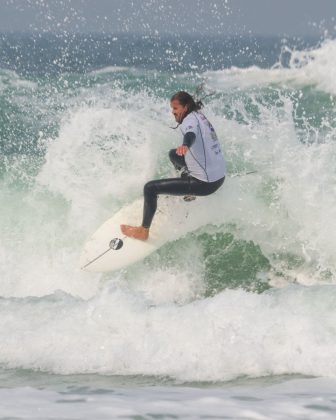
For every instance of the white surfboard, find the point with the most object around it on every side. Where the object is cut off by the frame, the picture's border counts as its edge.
(108, 249)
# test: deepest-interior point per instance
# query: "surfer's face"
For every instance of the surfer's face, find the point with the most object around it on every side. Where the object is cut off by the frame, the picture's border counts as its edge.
(178, 110)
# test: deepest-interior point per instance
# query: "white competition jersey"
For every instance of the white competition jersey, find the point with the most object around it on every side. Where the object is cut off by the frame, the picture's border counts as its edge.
(204, 158)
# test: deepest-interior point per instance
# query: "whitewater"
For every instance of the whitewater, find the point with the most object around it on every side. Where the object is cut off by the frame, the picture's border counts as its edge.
(238, 315)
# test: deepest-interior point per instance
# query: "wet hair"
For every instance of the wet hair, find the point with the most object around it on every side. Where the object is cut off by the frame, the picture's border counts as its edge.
(185, 99)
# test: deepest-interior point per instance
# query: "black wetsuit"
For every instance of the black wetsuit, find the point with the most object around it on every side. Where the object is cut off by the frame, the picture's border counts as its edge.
(186, 185)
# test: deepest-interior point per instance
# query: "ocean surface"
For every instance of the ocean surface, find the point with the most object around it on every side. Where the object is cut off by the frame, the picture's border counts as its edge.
(234, 320)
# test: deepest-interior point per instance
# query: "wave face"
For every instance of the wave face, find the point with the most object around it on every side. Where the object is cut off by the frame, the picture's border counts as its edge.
(249, 290)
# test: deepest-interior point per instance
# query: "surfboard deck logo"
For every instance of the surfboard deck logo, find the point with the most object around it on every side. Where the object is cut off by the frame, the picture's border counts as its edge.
(116, 244)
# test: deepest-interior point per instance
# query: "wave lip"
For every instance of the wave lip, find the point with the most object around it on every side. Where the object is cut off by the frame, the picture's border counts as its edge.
(109, 69)
(315, 67)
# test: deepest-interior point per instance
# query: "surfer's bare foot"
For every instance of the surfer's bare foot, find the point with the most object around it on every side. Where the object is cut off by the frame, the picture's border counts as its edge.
(136, 232)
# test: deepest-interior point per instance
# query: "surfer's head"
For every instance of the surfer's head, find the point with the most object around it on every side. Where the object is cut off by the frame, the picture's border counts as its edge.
(182, 103)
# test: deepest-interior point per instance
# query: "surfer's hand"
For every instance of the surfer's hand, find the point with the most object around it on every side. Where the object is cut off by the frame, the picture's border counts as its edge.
(181, 150)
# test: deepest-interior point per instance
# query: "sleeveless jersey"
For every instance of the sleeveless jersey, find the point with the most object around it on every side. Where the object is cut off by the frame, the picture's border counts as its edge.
(204, 158)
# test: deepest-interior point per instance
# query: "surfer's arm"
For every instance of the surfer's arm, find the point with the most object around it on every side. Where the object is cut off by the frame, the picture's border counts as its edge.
(188, 140)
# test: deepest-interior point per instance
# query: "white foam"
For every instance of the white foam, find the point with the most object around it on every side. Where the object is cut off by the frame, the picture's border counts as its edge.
(9, 78)
(109, 69)
(102, 151)
(315, 67)
(233, 334)
(103, 155)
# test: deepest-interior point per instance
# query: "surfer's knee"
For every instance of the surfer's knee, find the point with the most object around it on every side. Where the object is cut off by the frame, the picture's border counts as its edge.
(150, 188)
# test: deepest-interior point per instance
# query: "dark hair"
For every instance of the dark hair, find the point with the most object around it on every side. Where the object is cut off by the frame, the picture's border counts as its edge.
(186, 99)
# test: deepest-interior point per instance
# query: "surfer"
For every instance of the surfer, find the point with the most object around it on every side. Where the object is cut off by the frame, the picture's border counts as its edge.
(199, 159)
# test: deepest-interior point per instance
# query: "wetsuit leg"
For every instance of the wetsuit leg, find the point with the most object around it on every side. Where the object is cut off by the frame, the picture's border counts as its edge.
(173, 186)
(176, 160)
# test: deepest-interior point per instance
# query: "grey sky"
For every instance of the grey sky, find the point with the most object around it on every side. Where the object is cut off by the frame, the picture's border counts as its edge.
(263, 17)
